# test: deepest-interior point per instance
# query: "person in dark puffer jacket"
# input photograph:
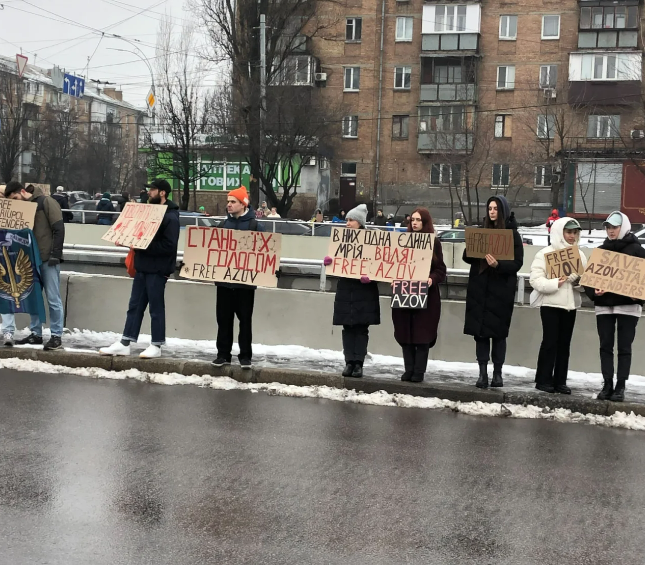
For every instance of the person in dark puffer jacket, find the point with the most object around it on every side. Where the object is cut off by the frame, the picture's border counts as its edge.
(356, 307)
(616, 311)
(491, 295)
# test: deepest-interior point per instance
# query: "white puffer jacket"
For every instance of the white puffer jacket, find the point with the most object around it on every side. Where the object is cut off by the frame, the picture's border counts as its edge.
(546, 291)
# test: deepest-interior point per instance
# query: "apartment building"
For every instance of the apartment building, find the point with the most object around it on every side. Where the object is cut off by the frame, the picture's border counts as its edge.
(448, 103)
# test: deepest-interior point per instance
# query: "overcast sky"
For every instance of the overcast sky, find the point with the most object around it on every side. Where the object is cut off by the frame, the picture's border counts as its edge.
(67, 32)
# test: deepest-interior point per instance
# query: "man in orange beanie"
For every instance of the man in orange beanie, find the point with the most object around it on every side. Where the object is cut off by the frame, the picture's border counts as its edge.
(236, 299)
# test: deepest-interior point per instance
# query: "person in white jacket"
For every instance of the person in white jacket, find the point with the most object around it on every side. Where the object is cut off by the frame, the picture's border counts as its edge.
(558, 300)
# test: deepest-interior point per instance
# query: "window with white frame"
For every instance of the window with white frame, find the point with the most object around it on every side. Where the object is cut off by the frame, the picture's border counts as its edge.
(352, 78)
(353, 28)
(508, 27)
(350, 126)
(546, 126)
(503, 125)
(548, 76)
(402, 77)
(501, 175)
(445, 175)
(543, 176)
(616, 66)
(551, 27)
(400, 127)
(404, 28)
(609, 17)
(506, 77)
(603, 126)
(450, 18)
(294, 70)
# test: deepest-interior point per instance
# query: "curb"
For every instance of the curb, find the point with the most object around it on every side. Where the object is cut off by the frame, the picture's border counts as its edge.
(461, 393)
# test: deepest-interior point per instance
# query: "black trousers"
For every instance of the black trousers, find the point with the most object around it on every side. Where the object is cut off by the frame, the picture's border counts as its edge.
(355, 339)
(415, 358)
(553, 360)
(607, 324)
(233, 302)
(482, 350)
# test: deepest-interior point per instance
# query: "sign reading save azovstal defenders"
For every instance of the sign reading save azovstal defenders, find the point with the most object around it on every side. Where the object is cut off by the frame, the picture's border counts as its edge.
(232, 256)
(498, 243)
(17, 214)
(563, 262)
(380, 255)
(136, 225)
(615, 272)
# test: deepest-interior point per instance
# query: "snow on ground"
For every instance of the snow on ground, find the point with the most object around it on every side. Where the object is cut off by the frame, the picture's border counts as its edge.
(381, 398)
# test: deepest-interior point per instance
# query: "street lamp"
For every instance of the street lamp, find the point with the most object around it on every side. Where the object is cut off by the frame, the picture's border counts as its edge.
(141, 56)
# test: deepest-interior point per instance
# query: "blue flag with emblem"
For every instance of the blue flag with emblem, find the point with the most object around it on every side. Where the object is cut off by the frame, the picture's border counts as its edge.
(20, 284)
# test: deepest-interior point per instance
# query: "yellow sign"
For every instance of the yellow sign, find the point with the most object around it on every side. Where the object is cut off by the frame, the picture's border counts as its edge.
(151, 99)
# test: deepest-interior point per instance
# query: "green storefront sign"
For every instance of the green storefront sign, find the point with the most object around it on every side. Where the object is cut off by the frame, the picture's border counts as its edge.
(224, 176)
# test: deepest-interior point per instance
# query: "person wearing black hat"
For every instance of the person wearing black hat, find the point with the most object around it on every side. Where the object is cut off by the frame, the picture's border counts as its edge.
(153, 266)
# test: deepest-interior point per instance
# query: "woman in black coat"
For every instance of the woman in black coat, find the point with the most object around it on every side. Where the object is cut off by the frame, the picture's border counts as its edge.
(491, 295)
(356, 307)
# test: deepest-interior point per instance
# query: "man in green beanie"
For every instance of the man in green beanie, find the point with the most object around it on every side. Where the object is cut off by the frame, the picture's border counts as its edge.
(105, 205)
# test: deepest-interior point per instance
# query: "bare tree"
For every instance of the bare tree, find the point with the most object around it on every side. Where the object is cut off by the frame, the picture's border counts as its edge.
(14, 114)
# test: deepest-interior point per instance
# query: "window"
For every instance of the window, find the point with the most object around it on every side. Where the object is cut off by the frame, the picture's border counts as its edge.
(323, 163)
(508, 27)
(402, 77)
(400, 127)
(546, 126)
(350, 126)
(548, 76)
(503, 125)
(450, 18)
(352, 78)
(348, 169)
(505, 78)
(404, 28)
(441, 174)
(609, 17)
(442, 118)
(612, 66)
(603, 126)
(501, 175)
(550, 27)
(543, 176)
(353, 29)
(448, 74)
(295, 70)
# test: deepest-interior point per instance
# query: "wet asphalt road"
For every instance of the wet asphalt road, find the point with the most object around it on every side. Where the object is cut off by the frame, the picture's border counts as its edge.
(120, 472)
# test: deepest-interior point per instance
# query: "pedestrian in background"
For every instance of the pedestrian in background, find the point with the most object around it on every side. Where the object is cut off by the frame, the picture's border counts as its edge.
(63, 201)
(380, 218)
(49, 231)
(356, 307)
(153, 266)
(405, 223)
(558, 300)
(415, 330)
(550, 221)
(491, 295)
(616, 312)
(340, 218)
(105, 205)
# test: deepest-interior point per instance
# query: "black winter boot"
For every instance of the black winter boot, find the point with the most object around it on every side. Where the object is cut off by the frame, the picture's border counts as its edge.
(482, 381)
(349, 369)
(607, 390)
(497, 377)
(619, 392)
(357, 373)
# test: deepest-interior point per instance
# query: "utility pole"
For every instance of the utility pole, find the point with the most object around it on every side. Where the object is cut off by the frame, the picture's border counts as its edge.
(263, 89)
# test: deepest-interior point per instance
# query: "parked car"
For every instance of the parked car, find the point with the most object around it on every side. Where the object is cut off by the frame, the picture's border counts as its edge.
(78, 195)
(285, 227)
(458, 235)
(196, 219)
(79, 218)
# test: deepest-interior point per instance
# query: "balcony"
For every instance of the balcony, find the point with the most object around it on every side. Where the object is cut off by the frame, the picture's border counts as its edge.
(608, 26)
(448, 79)
(447, 93)
(444, 142)
(450, 28)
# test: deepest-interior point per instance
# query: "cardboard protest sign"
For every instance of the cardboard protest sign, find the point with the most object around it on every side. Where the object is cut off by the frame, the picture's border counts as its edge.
(233, 256)
(380, 255)
(498, 243)
(563, 262)
(615, 272)
(17, 214)
(136, 225)
(409, 294)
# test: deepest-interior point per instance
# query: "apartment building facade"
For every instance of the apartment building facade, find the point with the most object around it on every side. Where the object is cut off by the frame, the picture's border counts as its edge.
(446, 104)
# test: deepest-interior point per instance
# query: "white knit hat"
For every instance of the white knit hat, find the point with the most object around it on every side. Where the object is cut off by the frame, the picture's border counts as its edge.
(359, 214)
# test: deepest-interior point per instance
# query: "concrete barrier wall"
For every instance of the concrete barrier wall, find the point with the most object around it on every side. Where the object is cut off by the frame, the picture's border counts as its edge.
(298, 317)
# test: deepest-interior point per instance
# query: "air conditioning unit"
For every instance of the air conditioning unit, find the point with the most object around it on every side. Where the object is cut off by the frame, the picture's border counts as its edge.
(549, 93)
(320, 77)
(638, 133)
(312, 162)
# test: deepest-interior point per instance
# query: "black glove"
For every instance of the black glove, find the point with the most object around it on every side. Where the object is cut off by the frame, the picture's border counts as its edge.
(53, 262)
(278, 273)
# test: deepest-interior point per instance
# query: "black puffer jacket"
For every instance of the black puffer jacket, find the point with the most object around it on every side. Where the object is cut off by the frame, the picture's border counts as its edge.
(491, 291)
(161, 255)
(629, 245)
(356, 303)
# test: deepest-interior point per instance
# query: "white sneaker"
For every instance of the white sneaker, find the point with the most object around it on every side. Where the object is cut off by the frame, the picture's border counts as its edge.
(8, 339)
(117, 348)
(152, 352)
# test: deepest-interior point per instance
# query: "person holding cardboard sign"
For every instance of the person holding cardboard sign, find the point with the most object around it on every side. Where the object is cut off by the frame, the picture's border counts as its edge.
(356, 307)
(558, 299)
(416, 330)
(491, 295)
(615, 311)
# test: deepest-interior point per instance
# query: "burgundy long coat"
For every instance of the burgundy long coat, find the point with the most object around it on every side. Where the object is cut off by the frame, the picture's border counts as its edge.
(420, 326)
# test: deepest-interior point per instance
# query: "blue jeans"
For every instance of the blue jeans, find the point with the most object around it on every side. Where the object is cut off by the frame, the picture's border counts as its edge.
(147, 289)
(8, 323)
(104, 222)
(51, 284)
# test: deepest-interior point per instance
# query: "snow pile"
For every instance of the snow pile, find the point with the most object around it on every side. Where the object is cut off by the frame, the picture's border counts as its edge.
(380, 398)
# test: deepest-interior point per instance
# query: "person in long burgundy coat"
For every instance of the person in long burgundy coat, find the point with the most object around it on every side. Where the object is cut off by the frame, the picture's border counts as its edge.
(416, 330)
